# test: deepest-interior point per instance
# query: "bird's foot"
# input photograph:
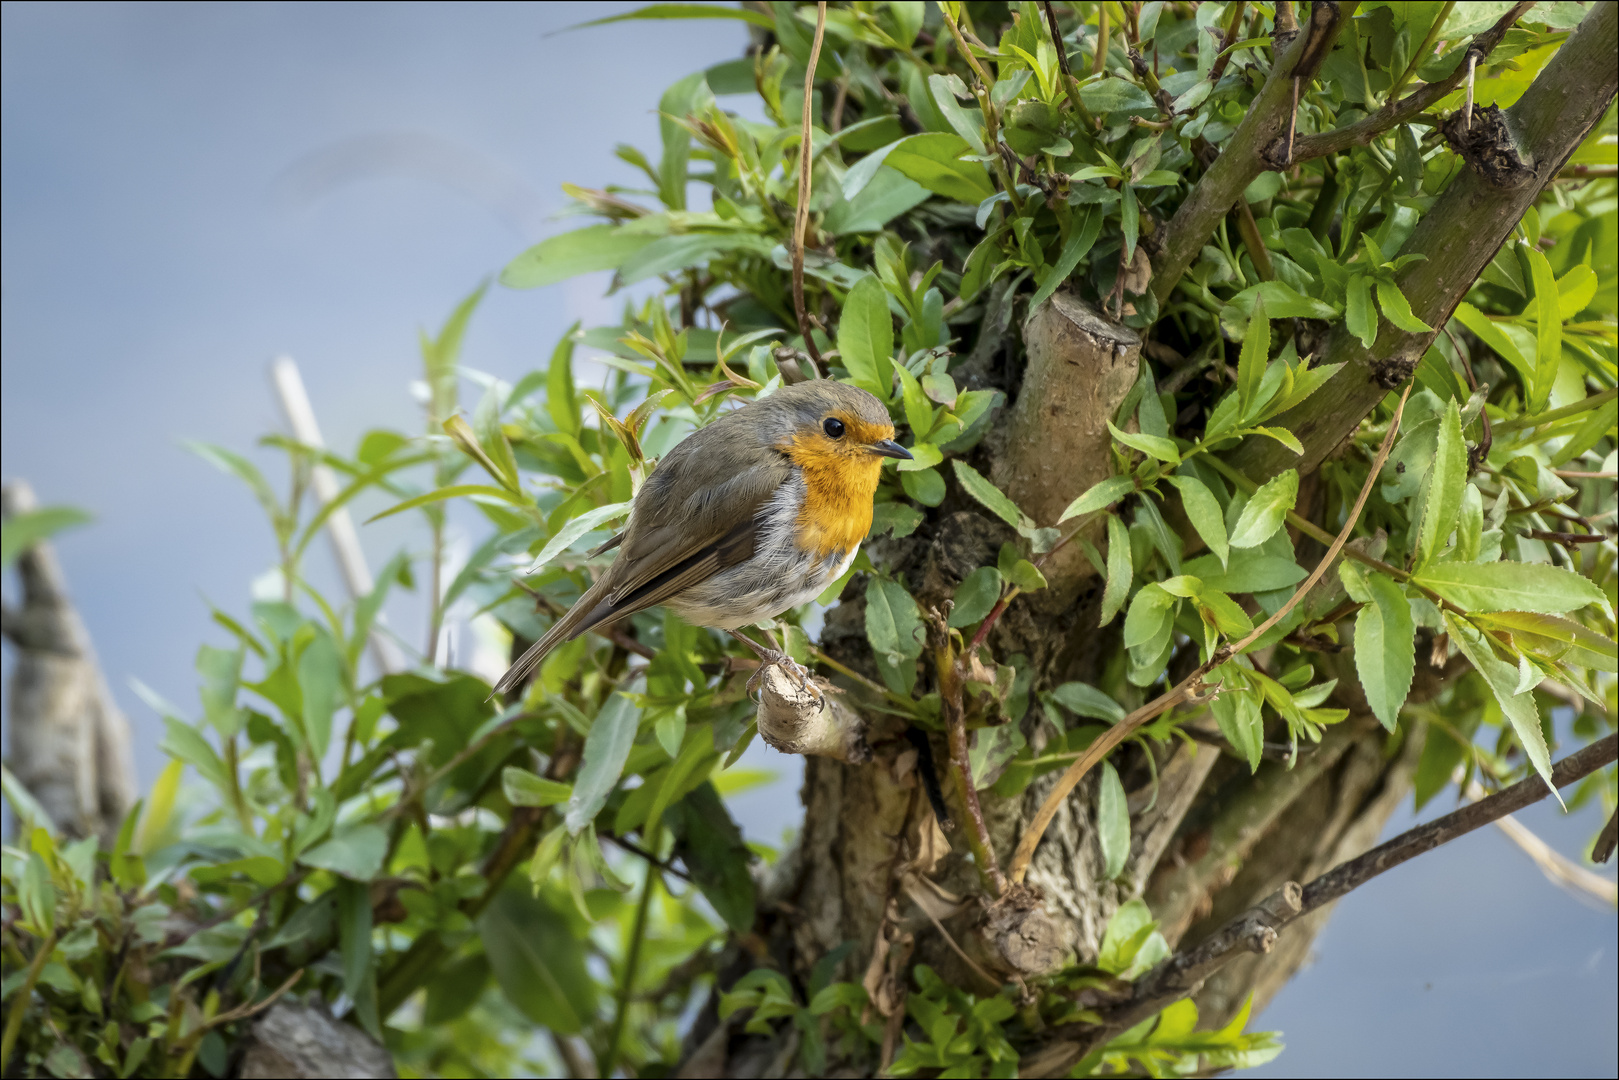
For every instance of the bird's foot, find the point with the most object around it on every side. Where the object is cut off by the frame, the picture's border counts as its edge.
(769, 658)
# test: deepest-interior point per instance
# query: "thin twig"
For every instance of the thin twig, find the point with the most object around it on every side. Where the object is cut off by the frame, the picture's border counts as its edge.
(1190, 688)
(1233, 27)
(1559, 868)
(1255, 930)
(801, 217)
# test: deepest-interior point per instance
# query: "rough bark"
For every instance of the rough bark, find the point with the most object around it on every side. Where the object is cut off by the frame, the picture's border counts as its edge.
(1080, 367)
(299, 1041)
(69, 743)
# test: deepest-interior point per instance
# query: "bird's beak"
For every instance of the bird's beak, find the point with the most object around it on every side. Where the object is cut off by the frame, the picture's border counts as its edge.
(890, 448)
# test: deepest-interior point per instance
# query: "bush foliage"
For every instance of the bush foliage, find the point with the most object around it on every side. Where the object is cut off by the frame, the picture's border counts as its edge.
(457, 874)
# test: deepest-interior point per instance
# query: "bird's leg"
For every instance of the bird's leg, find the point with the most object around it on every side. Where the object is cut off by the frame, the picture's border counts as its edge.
(777, 657)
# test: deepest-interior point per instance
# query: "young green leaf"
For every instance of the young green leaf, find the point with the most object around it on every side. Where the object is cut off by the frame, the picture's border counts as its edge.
(575, 528)
(1359, 315)
(975, 596)
(1081, 236)
(1112, 822)
(988, 495)
(1266, 510)
(1385, 641)
(1119, 569)
(524, 788)
(1446, 479)
(1502, 677)
(1236, 711)
(1511, 586)
(606, 747)
(1154, 446)
(1251, 366)
(866, 337)
(1083, 699)
(1548, 328)
(1203, 511)
(1397, 310)
(25, 530)
(1100, 494)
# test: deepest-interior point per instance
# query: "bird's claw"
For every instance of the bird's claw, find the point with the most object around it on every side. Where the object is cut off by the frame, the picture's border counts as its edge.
(798, 672)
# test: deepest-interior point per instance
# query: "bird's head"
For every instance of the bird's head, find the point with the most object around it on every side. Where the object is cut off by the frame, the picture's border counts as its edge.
(837, 427)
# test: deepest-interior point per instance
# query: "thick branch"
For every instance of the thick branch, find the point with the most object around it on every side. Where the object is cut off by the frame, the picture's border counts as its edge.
(1307, 147)
(1460, 235)
(1241, 160)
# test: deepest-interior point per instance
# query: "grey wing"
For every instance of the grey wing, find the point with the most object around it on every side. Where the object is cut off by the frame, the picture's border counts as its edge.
(670, 545)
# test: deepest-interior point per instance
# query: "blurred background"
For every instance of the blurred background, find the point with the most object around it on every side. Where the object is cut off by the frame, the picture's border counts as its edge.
(187, 191)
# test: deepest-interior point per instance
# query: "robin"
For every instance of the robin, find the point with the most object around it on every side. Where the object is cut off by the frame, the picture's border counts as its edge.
(756, 513)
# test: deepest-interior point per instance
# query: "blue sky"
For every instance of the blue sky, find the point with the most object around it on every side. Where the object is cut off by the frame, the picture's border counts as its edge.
(178, 205)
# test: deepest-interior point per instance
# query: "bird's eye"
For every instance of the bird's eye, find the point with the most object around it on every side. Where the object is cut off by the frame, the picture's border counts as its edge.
(833, 427)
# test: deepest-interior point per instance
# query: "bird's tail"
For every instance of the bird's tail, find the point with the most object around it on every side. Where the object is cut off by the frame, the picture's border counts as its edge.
(586, 612)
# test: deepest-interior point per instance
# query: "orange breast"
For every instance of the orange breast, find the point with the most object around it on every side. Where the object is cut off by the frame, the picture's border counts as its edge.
(838, 489)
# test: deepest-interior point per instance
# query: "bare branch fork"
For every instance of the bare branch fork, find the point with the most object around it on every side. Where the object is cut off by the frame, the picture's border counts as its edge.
(1256, 929)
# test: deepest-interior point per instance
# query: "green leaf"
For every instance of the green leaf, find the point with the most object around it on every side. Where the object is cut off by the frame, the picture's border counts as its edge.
(607, 746)
(524, 788)
(1254, 359)
(673, 254)
(23, 531)
(1548, 328)
(709, 843)
(1236, 711)
(574, 528)
(884, 198)
(988, 495)
(582, 251)
(934, 161)
(926, 486)
(1266, 510)
(1510, 586)
(685, 11)
(1149, 612)
(354, 851)
(1397, 310)
(1101, 494)
(866, 338)
(1447, 478)
(228, 461)
(975, 596)
(678, 102)
(1120, 570)
(1492, 335)
(1203, 511)
(560, 400)
(451, 492)
(1385, 641)
(1112, 822)
(1154, 446)
(320, 683)
(354, 935)
(1113, 94)
(539, 961)
(24, 807)
(1359, 315)
(221, 671)
(186, 743)
(968, 123)
(892, 619)
(1502, 677)
(1081, 237)
(1083, 699)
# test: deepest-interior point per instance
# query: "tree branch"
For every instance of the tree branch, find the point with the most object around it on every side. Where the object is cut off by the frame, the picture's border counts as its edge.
(1241, 159)
(1468, 225)
(1307, 147)
(1255, 930)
